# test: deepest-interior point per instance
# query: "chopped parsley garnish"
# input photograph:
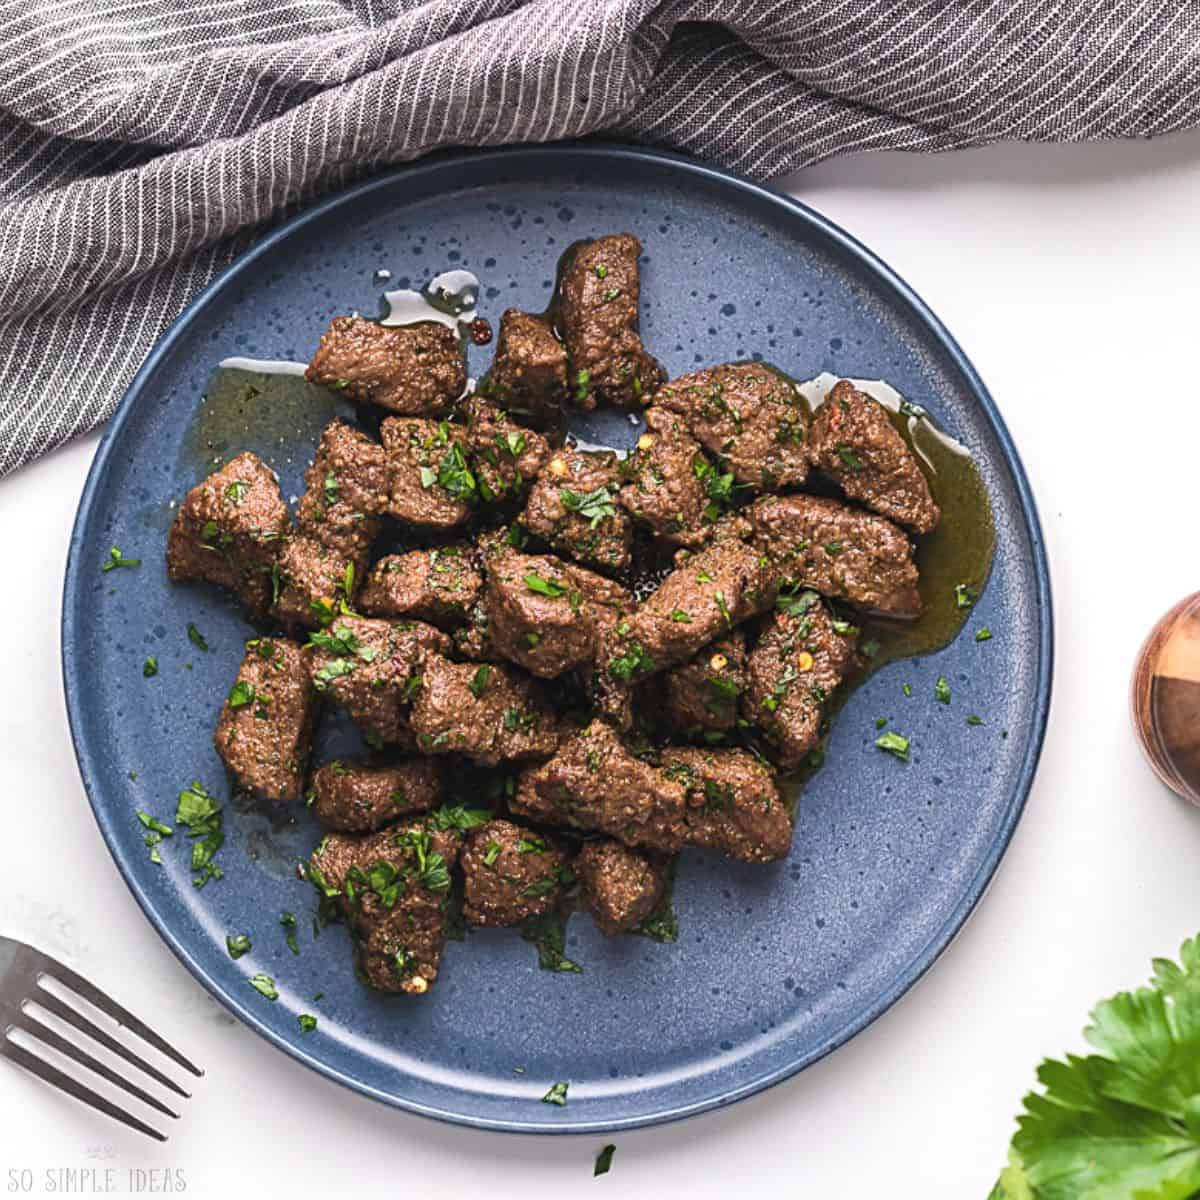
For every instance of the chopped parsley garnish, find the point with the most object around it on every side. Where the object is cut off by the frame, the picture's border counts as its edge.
(541, 887)
(895, 744)
(235, 493)
(965, 596)
(150, 667)
(880, 722)
(153, 823)
(610, 295)
(796, 604)
(307, 1022)
(907, 689)
(288, 921)
(718, 486)
(592, 506)
(241, 694)
(844, 628)
(512, 443)
(331, 489)
(869, 648)
(544, 587)
(479, 681)
(556, 1095)
(583, 386)
(454, 475)
(199, 811)
(941, 690)
(237, 944)
(677, 614)
(604, 1160)
(265, 985)
(723, 608)
(984, 635)
(491, 854)
(833, 549)
(848, 457)
(633, 661)
(549, 934)
(456, 816)
(974, 720)
(196, 637)
(117, 559)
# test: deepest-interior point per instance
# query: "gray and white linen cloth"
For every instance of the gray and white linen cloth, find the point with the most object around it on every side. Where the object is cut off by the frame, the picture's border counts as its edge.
(144, 143)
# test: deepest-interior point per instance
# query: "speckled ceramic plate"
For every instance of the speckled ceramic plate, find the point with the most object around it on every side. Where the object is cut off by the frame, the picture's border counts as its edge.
(774, 966)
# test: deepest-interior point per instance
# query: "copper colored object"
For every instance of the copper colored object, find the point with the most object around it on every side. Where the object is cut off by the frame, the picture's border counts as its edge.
(1166, 698)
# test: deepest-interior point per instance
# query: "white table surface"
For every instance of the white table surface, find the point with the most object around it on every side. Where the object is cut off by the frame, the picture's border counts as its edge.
(1069, 277)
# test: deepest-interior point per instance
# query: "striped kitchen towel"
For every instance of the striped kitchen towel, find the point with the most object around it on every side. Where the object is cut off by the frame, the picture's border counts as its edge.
(144, 143)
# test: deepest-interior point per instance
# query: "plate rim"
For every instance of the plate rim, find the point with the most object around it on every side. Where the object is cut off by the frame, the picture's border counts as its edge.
(936, 945)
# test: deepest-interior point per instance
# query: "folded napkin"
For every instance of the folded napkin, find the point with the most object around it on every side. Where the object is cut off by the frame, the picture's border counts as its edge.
(144, 143)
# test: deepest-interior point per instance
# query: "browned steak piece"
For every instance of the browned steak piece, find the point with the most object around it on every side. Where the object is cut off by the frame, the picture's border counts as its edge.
(547, 615)
(439, 585)
(706, 596)
(838, 551)
(415, 370)
(510, 874)
(703, 693)
(800, 659)
(373, 669)
(593, 782)
(266, 722)
(853, 441)
(734, 805)
(432, 485)
(311, 581)
(529, 371)
(665, 482)
(490, 713)
(504, 456)
(620, 886)
(394, 889)
(346, 491)
(751, 417)
(598, 309)
(359, 797)
(227, 532)
(572, 506)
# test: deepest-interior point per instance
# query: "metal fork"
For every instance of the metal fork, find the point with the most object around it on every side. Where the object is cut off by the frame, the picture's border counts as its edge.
(22, 970)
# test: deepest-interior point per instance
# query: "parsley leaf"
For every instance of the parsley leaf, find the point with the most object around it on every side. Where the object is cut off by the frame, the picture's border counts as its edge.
(965, 596)
(150, 667)
(479, 681)
(455, 816)
(117, 559)
(557, 1095)
(941, 690)
(1121, 1122)
(604, 1160)
(894, 743)
(544, 587)
(196, 637)
(237, 944)
(241, 694)
(592, 506)
(265, 985)
(307, 1022)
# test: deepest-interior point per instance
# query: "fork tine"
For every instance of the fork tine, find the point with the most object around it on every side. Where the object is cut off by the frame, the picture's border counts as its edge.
(49, 1001)
(56, 1078)
(31, 1025)
(90, 992)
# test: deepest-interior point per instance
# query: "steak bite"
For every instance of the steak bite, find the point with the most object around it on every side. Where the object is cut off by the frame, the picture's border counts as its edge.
(490, 713)
(359, 797)
(748, 415)
(801, 657)
(706, 596)
(227, 532)
(665, 482)
(546, 615)
(852, 440)
(529, 370)
(593, 782)
(311, 579)
(572, 507)
(838, 551)
(598, 295)
(704, 692)
(510, 874)
(415, 370)
(734, 805)
(346, 491)
(440, 586)
(432, 485)
(373, 668)
(394, 889)
(620, 886)
(505, 456)
(266, 722)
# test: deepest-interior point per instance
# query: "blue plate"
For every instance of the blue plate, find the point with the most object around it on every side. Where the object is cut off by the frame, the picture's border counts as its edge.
(775, 966)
